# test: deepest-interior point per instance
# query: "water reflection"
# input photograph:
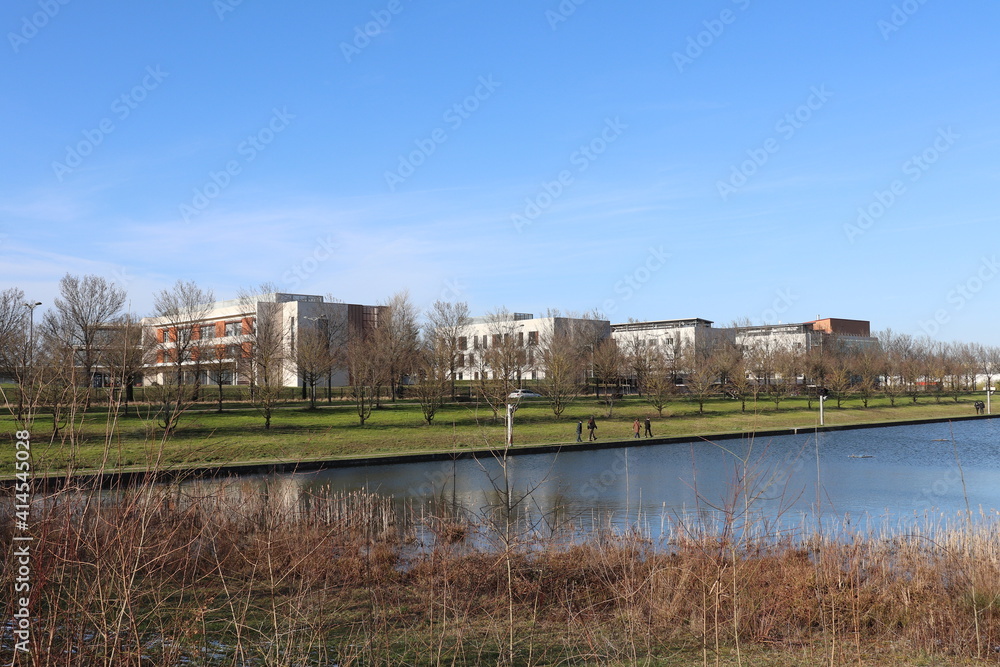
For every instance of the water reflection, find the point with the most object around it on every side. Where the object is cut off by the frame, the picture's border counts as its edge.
(867, 479)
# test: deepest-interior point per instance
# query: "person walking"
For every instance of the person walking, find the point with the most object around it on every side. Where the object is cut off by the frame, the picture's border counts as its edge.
(649, 429)
(592, 427)
(635, 427)
(579, 431)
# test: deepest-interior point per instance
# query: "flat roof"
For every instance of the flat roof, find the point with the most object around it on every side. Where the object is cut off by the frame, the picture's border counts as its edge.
(657, 324)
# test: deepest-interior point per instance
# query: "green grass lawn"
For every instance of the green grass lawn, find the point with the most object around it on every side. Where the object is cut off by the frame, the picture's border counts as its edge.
(332, 431)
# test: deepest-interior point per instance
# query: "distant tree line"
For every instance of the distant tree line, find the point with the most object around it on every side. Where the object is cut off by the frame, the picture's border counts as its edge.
(86, 347)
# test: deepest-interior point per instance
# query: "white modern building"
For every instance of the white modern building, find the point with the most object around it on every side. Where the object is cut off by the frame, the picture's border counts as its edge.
(523, 332)
(220, 335)
(671, 336)
(817, 334)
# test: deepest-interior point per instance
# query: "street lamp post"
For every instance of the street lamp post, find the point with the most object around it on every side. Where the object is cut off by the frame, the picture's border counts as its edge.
(511, 408)
(31, 331)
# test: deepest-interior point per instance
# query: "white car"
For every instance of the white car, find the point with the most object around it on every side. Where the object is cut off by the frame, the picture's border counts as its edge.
(524, 393)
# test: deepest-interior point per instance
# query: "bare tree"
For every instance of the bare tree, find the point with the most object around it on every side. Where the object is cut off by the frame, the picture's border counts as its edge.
(733, 373)
(785, 366)
(315, 355)
(868, 364)
(265, 349)
(502, 360)
(914, 367)
(660, 380)
(839, 379)
(395, 339)
(123, 358)
(17, 354)
(758, 358)
(988, 358)
(961, 369)
(84, 305)
(449, 321)
(936, 368)
(433, 364)
(171, 345)
(220, 362)
(608, 365)
(701, 374)
(60, 390)
(638, 355)
(366, 371)
(562, 356)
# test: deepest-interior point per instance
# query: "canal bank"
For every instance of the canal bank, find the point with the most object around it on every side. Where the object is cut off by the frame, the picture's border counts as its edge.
(136, 476)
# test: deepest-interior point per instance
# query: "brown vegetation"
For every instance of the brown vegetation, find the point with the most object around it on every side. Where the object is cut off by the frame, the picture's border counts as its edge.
(230, 574)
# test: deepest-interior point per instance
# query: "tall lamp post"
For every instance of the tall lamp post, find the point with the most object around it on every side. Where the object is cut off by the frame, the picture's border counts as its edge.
(511, 409)
(31, 331)
(824, 393)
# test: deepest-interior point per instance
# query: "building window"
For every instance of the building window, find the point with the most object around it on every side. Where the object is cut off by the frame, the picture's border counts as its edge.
(234, 329)
(520, 339)
(460, 376)
(460, 360)
(462, 343)
(206, 331)
(472, 360)
(532, 338)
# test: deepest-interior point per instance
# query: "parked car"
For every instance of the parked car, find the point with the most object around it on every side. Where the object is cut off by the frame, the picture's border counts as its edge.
(524, 393)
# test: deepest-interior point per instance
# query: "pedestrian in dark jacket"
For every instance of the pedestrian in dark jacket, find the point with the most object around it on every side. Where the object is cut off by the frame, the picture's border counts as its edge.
(592, 427)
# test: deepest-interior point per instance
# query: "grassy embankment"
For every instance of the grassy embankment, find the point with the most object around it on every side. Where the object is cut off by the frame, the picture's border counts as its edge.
(206, 437)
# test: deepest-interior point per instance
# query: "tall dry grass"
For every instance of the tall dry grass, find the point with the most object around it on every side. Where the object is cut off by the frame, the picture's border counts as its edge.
(230, 575)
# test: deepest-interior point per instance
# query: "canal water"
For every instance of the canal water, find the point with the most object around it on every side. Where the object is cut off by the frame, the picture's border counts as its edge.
(885, 479)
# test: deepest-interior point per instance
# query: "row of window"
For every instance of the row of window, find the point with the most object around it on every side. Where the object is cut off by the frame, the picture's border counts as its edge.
(470, 359)
(207, 353)
(206, 331)
(486, 375)
(498, 339)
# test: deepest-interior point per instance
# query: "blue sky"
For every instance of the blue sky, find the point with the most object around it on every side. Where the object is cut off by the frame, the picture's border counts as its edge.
(725, 159)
